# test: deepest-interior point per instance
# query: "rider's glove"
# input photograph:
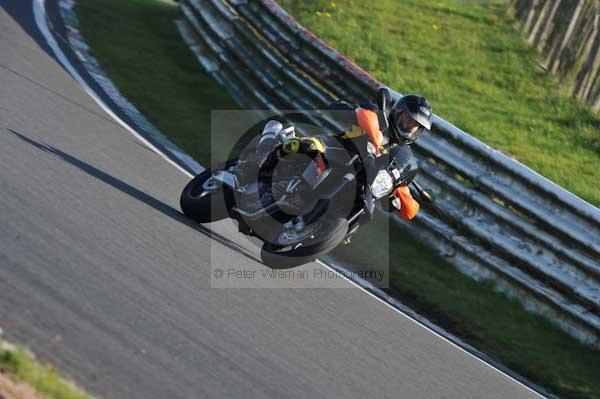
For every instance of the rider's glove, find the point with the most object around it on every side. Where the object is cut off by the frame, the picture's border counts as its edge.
(405, 203)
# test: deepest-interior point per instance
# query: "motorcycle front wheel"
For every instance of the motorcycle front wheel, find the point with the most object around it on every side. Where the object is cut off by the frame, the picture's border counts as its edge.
(204, 200)
(327, 238)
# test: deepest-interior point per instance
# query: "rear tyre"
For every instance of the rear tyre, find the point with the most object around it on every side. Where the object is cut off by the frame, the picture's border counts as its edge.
(326, 239)
(205, 200)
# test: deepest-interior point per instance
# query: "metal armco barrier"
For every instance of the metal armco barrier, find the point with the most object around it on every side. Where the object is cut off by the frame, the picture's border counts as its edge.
(494, 218)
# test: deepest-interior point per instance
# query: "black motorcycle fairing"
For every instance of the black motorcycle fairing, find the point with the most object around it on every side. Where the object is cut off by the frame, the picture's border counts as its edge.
(404, 161)
(399, 161)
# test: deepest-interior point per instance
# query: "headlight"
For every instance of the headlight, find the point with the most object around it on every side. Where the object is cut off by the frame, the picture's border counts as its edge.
(382, 185)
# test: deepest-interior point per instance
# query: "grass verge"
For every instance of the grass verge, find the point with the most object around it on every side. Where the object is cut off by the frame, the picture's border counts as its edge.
(127, 37)
(478, 72)
(140, 48)
(42, 377)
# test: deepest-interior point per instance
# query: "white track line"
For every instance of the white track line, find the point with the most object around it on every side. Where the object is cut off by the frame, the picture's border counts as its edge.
(39, 9)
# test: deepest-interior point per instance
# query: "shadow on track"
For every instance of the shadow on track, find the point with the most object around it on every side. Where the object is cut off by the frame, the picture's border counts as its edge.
(133, 192)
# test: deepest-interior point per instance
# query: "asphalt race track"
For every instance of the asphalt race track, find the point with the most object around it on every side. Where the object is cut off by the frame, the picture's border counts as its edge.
(101, 274)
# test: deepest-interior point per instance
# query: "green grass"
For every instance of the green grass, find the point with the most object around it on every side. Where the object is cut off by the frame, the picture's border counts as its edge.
(479, 73)
(42, 377)
(137, 42)
(490, 321)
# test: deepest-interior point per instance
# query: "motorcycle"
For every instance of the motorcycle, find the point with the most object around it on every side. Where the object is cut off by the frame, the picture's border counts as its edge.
(302, 207)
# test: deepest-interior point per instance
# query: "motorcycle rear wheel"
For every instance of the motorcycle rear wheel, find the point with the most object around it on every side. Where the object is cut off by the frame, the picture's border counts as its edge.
(326, 239)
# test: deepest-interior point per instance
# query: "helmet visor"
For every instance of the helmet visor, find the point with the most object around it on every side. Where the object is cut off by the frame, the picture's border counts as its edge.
(408, 128)
(407, 124)
(419, 110)
(424, 117)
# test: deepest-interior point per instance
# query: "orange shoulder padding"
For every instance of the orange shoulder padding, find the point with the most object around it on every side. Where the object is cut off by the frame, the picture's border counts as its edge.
(410, 207)
(369, 122)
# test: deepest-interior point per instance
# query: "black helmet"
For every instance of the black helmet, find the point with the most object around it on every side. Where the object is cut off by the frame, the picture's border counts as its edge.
(408, 118)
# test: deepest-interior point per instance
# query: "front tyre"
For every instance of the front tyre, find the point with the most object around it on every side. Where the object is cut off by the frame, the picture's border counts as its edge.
(204, 199)
(326, 239)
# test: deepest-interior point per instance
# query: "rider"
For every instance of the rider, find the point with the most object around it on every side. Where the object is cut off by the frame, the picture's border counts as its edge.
(404, 121)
